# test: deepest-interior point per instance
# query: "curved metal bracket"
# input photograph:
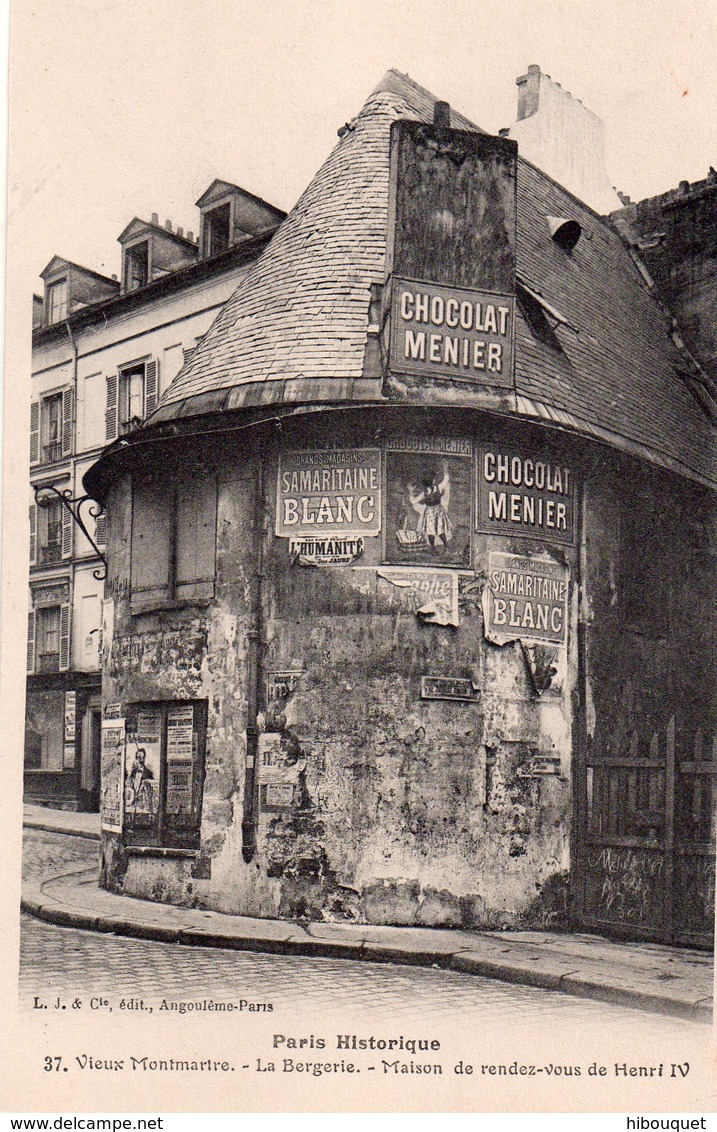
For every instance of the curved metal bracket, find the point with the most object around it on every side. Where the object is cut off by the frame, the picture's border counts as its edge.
(46, 493)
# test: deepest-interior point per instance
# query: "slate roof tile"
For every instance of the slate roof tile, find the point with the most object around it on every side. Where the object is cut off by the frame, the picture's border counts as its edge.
(298, 319)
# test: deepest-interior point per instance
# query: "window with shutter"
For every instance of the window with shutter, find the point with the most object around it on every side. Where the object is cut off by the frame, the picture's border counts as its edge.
(101, 530)
(50, 530)
(33, 534)
(196, 512)
(150, 387)
(67, 421)
(31, 641)
(34, 432)
(64, 637)
(48, 632)
(111, 411)
(173, 542)
(51, 428)
(66, 533)
(152, 516)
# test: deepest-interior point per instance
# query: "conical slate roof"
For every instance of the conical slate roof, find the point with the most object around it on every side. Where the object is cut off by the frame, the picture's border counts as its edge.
(296, 330)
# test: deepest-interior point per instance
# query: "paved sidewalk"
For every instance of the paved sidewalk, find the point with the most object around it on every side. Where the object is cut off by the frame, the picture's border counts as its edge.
(649, 976)
(61, 821)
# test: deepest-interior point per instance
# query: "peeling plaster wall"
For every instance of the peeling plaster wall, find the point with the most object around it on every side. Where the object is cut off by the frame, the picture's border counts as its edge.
(406, 810)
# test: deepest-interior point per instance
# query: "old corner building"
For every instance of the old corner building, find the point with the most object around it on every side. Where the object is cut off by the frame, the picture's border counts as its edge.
(409, 612)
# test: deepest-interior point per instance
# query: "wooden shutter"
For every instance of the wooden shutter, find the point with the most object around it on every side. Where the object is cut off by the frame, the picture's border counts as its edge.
(112, 406)
(101, 530)
(188, 353)
(64, 637)
(150, 387)
(34, 432)
(66, 533)
(152, 507)
(67, 420)
(33, 534)
(31, 641)
(196, 525)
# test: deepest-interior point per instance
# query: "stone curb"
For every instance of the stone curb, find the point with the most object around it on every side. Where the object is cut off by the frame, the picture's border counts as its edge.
(87, 834)
(515, 972)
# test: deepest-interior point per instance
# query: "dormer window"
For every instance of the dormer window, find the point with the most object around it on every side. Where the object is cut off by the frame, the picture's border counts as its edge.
(217, 230)
(136, 266)
(56, 301)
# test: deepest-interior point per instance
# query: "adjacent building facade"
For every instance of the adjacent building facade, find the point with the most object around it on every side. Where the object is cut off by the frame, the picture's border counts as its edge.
(104, 352)
(409, 614)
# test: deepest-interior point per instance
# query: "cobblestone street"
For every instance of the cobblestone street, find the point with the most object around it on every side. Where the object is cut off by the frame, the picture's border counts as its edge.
(68, 962)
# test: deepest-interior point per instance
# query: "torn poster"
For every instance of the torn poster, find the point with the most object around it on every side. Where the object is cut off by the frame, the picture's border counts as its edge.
(431, 594)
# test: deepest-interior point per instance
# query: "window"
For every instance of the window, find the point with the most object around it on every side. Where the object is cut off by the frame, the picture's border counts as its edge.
(48, 629)
(164, 773)
(44, 730)
(51, 532)
(173, 541)
(217, 230)
(48, 639)
(136, 266)
(51, 427)
(131, 397)
(56, 301)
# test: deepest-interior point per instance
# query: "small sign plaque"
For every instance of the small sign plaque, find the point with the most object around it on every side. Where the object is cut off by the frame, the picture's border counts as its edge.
(538, 766)
(448, 688)
(281, 685)
(326, 551)
(277, 796)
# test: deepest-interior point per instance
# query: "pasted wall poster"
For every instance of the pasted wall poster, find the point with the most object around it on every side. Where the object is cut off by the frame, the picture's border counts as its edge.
(332, 492)
(181, 745)
(428, 508)
(142, 765)
(526, 599)
(112, 774)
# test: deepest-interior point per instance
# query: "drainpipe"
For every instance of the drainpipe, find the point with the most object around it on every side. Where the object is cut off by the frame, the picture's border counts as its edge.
(73, 344)
(73, 569)
(254, 673)
(580, 729)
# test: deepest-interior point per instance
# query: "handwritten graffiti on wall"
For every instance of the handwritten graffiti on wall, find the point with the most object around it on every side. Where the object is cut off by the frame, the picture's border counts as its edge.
(626, 885)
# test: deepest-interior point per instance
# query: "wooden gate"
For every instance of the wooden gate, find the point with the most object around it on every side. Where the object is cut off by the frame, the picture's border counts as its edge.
(646, 839)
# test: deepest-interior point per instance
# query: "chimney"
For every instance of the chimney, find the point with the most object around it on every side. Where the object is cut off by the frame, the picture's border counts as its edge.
(562, 137)
(155, 218)
(180, 231)
(442, 115)
(168, 225)
(528, 92)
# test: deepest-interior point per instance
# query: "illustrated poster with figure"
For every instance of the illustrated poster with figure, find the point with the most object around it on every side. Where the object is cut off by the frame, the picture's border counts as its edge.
(428, 509)
(142, 766)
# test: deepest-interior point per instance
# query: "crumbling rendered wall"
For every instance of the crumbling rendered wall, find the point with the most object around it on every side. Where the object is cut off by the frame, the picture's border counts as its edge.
(405, 810)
